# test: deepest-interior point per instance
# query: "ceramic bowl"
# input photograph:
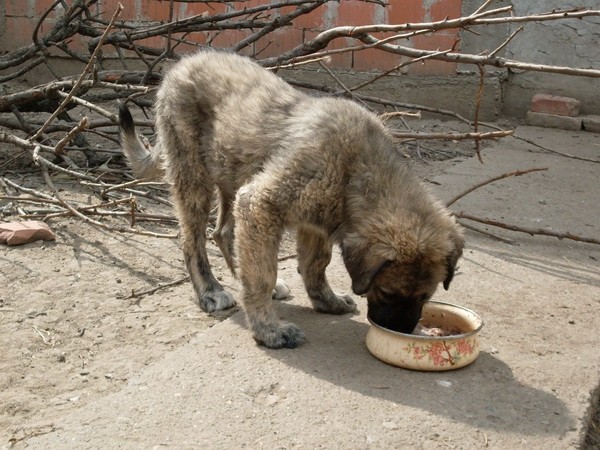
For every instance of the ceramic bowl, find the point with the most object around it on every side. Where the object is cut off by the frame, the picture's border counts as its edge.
(430, 353)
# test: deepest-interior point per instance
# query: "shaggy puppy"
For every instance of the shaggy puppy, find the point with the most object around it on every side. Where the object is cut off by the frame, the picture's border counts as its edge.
(279, 159)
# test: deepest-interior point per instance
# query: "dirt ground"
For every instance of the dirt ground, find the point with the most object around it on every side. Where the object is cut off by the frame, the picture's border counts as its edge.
(72, 333)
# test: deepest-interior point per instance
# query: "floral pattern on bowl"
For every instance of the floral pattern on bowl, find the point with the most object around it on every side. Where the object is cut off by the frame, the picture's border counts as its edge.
(431, 353)
(441, 353)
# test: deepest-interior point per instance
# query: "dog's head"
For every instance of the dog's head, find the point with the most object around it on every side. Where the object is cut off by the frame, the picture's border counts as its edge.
(399, 268)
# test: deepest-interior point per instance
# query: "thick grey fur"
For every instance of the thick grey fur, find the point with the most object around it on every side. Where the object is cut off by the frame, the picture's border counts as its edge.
(279, 159)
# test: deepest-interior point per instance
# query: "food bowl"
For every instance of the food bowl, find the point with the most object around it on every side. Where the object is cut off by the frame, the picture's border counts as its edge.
(430, 353)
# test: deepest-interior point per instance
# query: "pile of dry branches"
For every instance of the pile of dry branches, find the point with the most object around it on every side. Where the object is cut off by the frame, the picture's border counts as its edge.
(39, 121)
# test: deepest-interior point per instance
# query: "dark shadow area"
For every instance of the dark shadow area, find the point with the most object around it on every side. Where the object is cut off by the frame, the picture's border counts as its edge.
(563, 268)
(592, 438)
(484, 394)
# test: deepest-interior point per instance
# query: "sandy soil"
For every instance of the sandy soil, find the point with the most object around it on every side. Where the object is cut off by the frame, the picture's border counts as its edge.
(71, 331)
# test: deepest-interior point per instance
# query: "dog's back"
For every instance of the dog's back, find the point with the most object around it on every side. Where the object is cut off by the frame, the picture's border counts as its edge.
(235, 110)
(232, 116)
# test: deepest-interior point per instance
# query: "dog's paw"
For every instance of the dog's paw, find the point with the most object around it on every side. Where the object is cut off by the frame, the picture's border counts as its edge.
(334, 304)
(216, 300)
(281, 290)
(281, 335)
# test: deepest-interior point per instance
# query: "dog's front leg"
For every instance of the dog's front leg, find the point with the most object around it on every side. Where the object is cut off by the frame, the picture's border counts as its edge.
(258, 232)
(314, 255)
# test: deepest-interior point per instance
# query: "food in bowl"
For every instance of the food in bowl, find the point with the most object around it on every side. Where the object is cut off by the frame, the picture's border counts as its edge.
(427, 330)
(446, 339)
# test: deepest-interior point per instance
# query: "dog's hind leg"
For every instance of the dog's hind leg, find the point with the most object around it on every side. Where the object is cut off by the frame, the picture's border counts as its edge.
(193, 215)
(281, 290)
(314, 255)
(192, 191)
(224, 231)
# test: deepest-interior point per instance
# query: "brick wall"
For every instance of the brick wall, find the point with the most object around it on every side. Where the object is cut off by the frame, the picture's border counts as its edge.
(21, 17)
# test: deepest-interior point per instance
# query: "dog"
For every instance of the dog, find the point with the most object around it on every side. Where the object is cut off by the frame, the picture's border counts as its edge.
(282, 159)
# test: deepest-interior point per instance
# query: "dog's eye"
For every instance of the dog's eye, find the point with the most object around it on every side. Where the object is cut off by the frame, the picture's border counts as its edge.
(385, 291)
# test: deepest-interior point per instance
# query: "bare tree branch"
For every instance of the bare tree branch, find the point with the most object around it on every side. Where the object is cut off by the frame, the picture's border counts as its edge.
(516, 173)
(531, 231)
(58, 135)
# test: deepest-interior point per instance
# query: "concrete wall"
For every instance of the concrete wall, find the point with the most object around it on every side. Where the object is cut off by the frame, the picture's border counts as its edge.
(573, 42)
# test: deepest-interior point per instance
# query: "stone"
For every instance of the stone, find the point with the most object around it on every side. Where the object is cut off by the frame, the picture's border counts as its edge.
(553, 121)
(554, 104)
(591, 123)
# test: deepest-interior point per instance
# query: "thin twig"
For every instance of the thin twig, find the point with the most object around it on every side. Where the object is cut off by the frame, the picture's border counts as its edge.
(343, 86)
(556, 152)
(483, 7)
(505, 43)
(157, 288)
(516, 173)
(113, 117)
(82, 125)
(486, 233)
(29, 191)
(147, 195)
(477, 108)
(530, 231)
(138, 182)
(389, 115)
(30, 200)
(325, 59)
(398, 67)
(452, 136)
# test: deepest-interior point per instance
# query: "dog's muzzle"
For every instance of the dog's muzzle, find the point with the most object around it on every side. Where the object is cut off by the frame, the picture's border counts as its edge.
(396, 314)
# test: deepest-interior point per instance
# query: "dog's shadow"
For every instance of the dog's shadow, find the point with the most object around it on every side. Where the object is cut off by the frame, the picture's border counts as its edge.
(484, 394)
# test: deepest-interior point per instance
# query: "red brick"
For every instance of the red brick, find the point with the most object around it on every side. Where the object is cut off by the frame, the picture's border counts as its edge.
(280, 41)
(435, 41)
(18, 8)
(313, 20)
(353, 12)
(19, 31)
(445, 9)
(553, 104)
(196, 9)
(79, 44)
(228, 38)
(374, 59)
(406, 11)
(159, 42)
(157, 10)
(41, 6)
(193, 41)
(108, 7)
(248, 4)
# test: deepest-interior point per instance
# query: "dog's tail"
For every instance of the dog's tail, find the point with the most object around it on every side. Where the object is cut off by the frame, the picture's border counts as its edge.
(144, 162)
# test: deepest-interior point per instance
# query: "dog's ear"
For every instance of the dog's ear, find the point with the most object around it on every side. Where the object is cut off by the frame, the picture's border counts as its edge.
(363, 262)
(452, 259)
